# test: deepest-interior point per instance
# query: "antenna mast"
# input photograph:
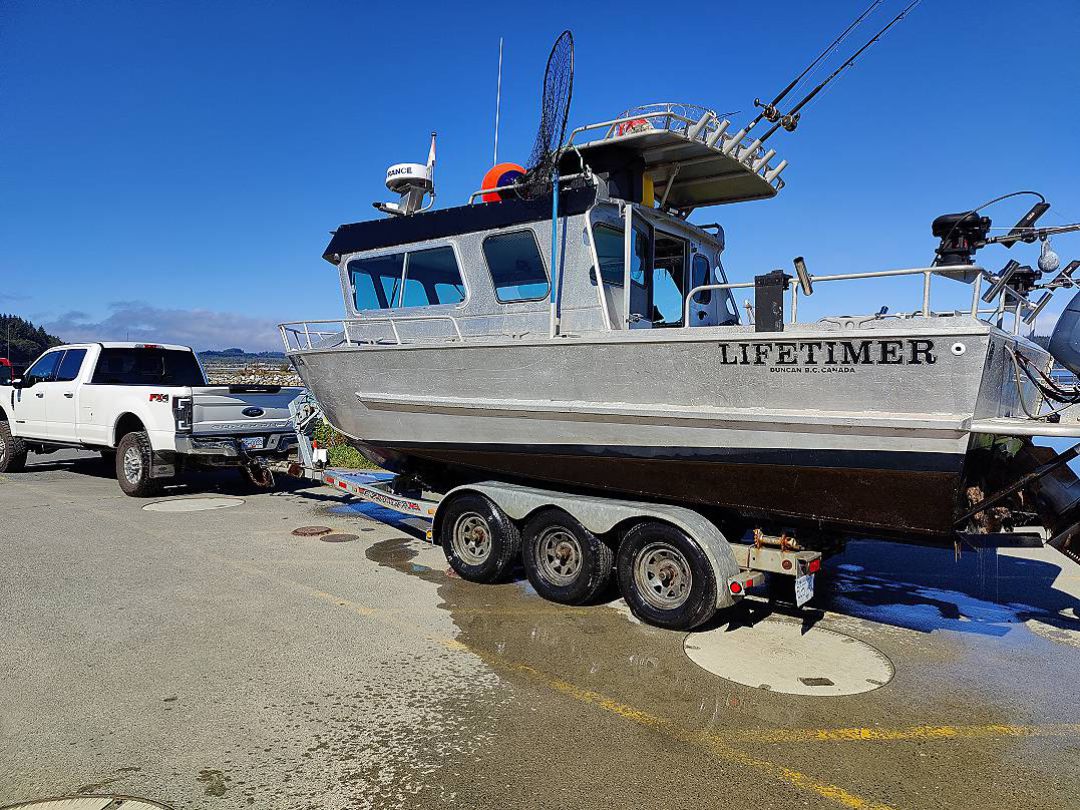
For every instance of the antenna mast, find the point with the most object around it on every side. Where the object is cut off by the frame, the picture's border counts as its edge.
(498, 99)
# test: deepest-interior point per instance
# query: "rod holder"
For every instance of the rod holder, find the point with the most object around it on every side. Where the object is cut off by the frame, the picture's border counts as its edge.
(717, 133)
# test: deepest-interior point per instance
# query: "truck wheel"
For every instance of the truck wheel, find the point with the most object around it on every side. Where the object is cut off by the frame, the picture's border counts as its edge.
(564, 561)
(134, 462)
(12, 450)
(665, 577)
(480, 542)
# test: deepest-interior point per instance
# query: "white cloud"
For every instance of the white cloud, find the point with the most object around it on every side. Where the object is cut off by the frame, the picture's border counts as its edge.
(199, 328)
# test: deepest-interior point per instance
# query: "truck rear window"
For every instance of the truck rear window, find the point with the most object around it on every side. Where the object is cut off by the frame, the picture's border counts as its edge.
(168, 367)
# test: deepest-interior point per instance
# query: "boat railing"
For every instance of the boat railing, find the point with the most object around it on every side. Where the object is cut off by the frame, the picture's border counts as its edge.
(522, 185)
(302, 335)
(695, 124)
(927, 273)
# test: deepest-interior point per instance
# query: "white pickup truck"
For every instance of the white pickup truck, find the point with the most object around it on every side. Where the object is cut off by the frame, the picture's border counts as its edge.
(148, 406)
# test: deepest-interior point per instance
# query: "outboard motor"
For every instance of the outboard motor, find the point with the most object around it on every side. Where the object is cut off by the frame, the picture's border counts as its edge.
(1065, 342)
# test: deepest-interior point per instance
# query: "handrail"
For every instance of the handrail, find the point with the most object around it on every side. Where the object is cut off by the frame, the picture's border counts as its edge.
(926, 272)
(626, 119)
(519, 184)
(303, 329)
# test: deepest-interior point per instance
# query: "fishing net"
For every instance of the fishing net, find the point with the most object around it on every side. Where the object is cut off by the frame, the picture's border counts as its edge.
(554, 112)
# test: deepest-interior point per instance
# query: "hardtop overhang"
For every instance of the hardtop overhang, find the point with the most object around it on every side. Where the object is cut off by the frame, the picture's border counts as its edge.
(686, 173)
(382, 233)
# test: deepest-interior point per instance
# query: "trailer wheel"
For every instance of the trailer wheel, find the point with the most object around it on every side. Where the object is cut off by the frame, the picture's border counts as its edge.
(480, 542)
(134, 463)
(12, 450)
(564, 561)
(665, 577)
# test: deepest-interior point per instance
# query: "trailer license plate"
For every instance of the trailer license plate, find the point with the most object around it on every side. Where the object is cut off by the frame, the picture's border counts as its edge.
(804, 589)
(253, 443)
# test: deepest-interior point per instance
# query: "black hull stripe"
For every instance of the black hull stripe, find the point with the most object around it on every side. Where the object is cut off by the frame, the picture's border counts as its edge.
(902, 461)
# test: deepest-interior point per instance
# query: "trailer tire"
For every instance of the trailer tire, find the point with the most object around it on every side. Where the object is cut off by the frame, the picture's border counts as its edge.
(665, 577)
(12, 450)
(134, 465)
(564, 561)
(480, 542)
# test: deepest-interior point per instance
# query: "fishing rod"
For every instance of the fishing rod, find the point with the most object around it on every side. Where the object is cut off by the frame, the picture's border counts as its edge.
(791, 119)
(769, 110)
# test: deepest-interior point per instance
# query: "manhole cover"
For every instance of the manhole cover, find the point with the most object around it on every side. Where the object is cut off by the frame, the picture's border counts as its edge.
(339, 538)
(192, 504)
(88, 803)
(778, 656)
(311, 531)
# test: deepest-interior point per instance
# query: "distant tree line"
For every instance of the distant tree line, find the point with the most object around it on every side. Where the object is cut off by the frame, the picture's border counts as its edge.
(21, 342)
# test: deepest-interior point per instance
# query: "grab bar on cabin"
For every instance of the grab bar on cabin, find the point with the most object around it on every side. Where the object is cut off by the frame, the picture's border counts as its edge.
(587, 174)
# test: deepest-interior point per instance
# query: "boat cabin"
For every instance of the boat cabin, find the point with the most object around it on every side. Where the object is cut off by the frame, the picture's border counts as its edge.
(627, 258)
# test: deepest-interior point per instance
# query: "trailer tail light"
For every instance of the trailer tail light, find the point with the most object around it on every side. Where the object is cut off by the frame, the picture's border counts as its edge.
(735, 587)
(183, 414)
(815, 566)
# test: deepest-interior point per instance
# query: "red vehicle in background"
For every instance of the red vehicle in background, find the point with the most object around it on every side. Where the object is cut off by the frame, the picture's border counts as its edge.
(5, 371)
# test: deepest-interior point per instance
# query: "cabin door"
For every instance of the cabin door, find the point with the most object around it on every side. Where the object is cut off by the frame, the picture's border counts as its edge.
(638, 252)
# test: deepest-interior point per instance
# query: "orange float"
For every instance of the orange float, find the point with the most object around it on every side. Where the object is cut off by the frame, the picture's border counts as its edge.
(501, 174)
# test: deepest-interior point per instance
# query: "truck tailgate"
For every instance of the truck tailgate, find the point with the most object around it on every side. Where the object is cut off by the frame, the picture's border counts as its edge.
(221, 410)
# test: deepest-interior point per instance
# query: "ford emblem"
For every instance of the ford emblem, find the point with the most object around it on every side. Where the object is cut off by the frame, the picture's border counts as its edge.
(253, 412)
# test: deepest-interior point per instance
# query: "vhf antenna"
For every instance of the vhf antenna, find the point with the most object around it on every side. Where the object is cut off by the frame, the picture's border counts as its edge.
(791, 119)
(769, 110)
(498, 99)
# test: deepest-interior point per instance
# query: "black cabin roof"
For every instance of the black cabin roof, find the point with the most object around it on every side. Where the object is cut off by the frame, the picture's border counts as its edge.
(380, 233)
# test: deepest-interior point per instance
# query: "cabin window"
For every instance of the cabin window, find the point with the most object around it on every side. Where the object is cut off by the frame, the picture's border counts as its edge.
(517, 271)
(730, 315)
(700, 278)
(668, 280)
(609, 251)
(376, 282)
(432, 277)
(415, 279)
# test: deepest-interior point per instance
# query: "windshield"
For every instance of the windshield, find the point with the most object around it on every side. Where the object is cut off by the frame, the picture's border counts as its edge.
(146, 366)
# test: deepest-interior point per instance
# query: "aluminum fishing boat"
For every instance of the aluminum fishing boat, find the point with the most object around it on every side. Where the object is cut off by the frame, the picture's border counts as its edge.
(582, 334)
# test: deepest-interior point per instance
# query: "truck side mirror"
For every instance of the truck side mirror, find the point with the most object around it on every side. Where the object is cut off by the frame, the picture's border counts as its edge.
(17, 383)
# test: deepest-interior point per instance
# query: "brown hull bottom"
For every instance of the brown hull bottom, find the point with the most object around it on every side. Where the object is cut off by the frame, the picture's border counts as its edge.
(867, 494)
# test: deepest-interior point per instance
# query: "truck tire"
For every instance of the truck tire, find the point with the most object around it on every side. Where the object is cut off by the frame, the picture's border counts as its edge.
(12, 450)
(665, 577)
(480, 542)
(564, 561)
(134, 463)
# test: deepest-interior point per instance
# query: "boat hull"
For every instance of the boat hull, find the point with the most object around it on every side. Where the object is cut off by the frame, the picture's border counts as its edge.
(805, 426)
(860, 493)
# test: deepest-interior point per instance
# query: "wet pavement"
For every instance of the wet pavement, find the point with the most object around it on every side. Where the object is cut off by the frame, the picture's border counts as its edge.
(212, 659)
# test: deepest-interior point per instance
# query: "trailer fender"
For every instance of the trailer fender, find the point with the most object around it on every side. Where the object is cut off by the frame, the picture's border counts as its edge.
(600, 515)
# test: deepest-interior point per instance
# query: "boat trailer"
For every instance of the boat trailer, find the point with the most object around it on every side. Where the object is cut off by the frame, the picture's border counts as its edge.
(737, 566)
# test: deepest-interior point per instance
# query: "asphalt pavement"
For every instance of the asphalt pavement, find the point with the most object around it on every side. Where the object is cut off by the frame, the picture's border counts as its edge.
(208, 657)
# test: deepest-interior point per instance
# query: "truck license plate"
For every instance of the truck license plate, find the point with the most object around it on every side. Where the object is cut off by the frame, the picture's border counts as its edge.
(804, 589)
(253, 443)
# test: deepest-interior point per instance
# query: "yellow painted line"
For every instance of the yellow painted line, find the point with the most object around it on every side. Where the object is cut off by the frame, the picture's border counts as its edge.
(715, 743)
(972, 732)
(341, 601)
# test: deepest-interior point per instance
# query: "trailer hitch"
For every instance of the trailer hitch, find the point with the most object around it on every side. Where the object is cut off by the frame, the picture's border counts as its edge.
(258, 473)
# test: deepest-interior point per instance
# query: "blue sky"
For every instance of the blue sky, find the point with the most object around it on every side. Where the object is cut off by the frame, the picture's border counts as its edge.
(173, 169)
